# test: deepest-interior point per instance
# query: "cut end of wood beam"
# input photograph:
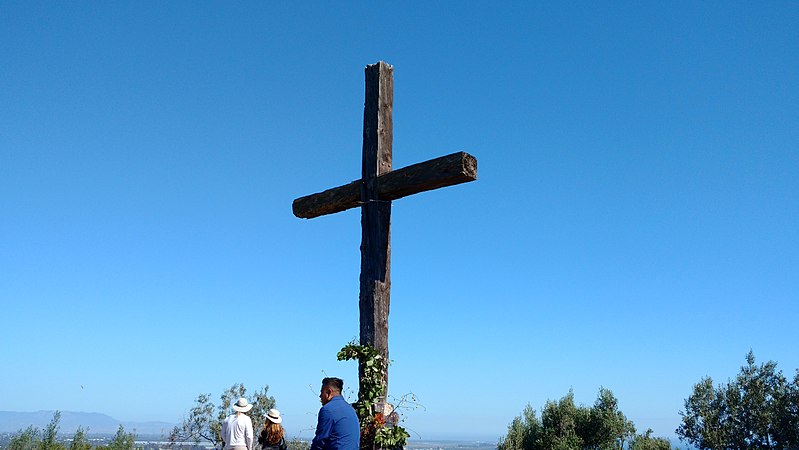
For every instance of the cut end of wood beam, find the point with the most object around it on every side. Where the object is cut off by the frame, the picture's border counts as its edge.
(469, 166)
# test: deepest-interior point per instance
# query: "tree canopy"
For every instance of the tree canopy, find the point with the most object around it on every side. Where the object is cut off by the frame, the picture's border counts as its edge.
(34, 439)
(566, 426)
(204, 421)
(47, 439)
(120, 441)
(759, 409)
(647, 442)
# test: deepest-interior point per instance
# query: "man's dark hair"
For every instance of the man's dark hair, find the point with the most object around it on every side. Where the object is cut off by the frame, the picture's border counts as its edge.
(337, 384)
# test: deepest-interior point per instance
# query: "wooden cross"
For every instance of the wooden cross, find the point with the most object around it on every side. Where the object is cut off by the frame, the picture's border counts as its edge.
(374, 192)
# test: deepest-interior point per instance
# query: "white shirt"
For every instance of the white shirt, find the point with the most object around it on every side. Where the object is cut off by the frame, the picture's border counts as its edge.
(237, 431)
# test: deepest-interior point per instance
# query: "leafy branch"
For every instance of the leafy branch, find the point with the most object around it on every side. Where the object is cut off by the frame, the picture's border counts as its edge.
(377, 431)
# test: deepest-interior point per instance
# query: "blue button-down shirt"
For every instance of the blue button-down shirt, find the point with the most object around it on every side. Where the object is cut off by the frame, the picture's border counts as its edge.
(337, 427)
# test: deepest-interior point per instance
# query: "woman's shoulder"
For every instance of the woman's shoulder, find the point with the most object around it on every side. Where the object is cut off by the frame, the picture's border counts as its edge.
(279, 446)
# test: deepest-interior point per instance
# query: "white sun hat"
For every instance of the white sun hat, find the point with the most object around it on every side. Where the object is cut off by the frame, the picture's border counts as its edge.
(242, 405)
(274, 416)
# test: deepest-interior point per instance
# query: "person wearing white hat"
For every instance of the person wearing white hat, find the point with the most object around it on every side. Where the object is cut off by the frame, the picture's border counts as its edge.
(237, 428)
(272, 435)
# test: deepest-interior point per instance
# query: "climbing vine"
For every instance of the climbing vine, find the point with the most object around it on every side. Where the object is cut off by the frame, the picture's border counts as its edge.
(377, 431)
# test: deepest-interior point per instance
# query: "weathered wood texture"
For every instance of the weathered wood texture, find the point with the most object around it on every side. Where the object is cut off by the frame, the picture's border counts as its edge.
(375, 288)
(378, 186)
(436, 173)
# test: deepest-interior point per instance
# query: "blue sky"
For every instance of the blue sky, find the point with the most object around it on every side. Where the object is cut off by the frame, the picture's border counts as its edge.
(635, 224)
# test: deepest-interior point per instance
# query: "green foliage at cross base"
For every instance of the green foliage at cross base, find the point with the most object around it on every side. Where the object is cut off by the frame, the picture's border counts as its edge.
(376, 433)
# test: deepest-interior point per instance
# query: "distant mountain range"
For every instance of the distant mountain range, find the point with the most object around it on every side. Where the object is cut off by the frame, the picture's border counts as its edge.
(92, 423)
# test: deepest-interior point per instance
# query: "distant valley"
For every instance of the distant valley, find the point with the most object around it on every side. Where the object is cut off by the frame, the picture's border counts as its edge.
(94, 423)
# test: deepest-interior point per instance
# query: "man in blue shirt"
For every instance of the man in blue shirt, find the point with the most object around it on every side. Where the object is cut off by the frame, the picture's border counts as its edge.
(337, 427)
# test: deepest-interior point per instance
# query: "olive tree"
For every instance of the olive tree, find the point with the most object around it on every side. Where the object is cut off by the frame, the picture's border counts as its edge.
(647, 442)
(566, 426)
(27, 439)
(34, 439)
(49, 439)
(756, 410)
(80, 441)
(204, 420)
(122, 440)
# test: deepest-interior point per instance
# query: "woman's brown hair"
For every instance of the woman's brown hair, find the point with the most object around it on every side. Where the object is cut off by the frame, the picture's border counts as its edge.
(272, 434)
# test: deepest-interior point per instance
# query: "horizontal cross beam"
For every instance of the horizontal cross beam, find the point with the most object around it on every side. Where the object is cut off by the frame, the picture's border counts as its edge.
(440, 172)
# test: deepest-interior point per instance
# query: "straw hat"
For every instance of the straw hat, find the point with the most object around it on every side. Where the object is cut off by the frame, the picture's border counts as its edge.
(274, 416)
(242, 405)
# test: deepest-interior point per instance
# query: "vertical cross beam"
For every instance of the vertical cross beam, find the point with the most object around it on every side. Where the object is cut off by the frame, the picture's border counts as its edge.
(375, 289)
(378, 186)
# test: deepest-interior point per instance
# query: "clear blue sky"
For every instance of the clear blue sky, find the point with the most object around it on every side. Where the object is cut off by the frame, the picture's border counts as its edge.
(635, 224)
